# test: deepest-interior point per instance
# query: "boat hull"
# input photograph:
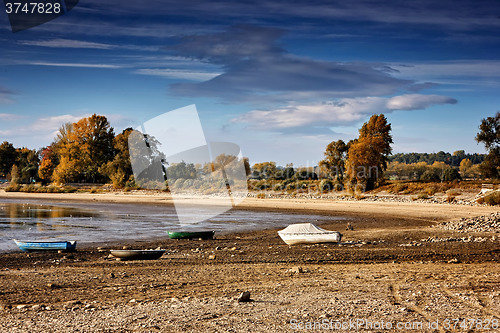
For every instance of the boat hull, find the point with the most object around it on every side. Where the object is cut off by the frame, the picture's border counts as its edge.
(137, 254)
(191, 234)
(31, 246)
(293, 239)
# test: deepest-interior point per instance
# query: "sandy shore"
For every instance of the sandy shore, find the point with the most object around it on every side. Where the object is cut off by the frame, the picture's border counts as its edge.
(388, 272)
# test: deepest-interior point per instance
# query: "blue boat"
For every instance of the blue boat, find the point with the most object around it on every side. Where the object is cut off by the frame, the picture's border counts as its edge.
(29, 246)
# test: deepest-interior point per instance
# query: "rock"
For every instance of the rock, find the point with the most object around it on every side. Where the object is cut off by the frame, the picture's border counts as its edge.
(4, 307)
(21, 306)
(53, 286)
(297, 269)
(37, 307)
(211, 257)
(71, 304)
(111, 275)
(244, 297)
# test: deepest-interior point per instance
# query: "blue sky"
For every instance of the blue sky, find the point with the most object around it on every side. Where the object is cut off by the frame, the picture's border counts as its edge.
(280, 79)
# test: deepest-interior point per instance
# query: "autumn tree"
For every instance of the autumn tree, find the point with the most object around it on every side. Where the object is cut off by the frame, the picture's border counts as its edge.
(83, 148)
(47, 164)
(264, 170)
(489, 134)
(334, 161)
(367, 156)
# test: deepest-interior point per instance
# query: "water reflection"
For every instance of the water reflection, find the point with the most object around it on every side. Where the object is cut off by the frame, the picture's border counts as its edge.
(98, 222)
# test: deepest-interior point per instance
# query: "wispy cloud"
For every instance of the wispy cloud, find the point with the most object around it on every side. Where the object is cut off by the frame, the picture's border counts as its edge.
(344, 111)
(417, 102)
(451, 71)
(257, 68)
(52, 124)
(9, 116)
(6, 96)
(67, 43)
(177, 74)
(63, 64)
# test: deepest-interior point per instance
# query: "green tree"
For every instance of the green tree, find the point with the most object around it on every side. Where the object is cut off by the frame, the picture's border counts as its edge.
(367, 156)
(489, 134)
(27, 161)
(8, 157)
(119, 170)
(334, 161)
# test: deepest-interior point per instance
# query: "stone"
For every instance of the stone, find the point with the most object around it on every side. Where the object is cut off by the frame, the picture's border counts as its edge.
(211, 257)
(244, 297)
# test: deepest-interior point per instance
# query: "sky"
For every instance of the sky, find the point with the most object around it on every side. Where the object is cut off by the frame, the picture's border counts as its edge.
(281, 79)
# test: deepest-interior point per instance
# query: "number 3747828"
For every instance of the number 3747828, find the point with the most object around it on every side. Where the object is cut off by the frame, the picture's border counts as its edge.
(33, 7)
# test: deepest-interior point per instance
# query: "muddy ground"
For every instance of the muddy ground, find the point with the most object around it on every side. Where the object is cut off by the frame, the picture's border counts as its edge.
(386, 276)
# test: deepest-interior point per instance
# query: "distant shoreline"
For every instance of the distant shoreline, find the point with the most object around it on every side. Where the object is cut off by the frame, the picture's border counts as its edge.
(393, 209)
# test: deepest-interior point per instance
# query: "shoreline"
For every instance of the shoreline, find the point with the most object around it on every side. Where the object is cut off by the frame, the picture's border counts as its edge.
(437, 212)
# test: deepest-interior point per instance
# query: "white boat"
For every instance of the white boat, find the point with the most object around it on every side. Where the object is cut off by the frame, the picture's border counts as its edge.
(308, 233)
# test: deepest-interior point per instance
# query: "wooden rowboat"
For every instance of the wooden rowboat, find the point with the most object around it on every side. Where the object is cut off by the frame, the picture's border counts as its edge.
(191, 234)
(137, 254)
(29, 246)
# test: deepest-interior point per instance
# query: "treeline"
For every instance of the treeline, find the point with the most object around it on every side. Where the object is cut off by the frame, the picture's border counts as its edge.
(453, 160)
(18, 164)
(88, 151)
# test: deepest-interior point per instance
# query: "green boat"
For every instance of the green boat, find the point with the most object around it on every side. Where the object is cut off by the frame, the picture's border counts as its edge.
(191, 234)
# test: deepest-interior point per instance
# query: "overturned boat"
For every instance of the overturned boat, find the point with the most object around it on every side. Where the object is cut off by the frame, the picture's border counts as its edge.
(308, 233)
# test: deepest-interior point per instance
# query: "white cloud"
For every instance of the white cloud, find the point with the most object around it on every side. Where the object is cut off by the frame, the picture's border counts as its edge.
(417, 101)
(51, 125)
(177, 74)
(67, 43)
(341, 112)
(59, 64)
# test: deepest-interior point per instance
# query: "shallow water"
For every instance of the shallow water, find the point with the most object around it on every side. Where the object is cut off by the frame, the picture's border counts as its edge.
(107, 222)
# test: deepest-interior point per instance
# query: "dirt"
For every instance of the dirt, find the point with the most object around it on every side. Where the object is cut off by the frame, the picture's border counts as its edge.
(385, 272)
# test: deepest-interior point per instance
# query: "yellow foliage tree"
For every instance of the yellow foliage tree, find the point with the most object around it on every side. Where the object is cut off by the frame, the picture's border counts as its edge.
(368, 155)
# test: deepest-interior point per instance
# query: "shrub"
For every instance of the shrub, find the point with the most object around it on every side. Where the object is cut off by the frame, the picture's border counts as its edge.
(29, 189)
(430, 190)
(491, 199)
(430, 176)
(423, 196)
(279, 187)
(69, 189)
(326, 185)
(302, 185)
(261, 185)
(14, 187)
